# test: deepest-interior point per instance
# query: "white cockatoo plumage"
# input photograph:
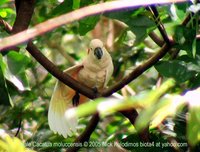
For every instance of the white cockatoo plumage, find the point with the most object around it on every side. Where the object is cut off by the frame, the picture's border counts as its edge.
(94, 72)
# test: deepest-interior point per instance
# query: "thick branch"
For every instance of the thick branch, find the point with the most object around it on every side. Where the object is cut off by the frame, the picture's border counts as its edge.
(73, 16)
(156, 39)
(24, 11)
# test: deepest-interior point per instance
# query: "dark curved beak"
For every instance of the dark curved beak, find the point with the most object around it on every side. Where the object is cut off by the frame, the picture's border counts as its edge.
(98, 53)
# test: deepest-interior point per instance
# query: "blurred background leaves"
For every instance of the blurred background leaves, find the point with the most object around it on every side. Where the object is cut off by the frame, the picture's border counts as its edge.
(26, 87)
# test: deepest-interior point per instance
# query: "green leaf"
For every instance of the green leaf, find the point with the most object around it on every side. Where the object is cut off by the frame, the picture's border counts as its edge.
(64, 7)
(138, 23)
(15, 69)
(190, 60)
(141, 26)
(3, 2)
(178, 11)
(4, 12)
(179, 70)
(194, 48)
(193, 127)
(76, 4)
(17, 62)
(4, 95)
(87, 24)
(184, 37)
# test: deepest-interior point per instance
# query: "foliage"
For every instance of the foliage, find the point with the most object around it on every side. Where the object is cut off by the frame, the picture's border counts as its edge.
(172, 114)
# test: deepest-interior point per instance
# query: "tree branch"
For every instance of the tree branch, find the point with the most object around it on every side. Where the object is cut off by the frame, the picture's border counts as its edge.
(6, 26)
(156, 39)
(24, 11)
(159, 24)
(73, 16)
(8, 29)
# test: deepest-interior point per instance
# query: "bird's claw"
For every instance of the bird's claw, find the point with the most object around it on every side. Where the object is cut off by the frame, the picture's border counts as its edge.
(95, 91)
(75, 99)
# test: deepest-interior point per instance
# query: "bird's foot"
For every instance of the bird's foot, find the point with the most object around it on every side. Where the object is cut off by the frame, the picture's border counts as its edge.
(75, 99)
(95, 91)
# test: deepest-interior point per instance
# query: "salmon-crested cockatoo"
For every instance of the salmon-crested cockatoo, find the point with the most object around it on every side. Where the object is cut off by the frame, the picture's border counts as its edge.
(94, 72)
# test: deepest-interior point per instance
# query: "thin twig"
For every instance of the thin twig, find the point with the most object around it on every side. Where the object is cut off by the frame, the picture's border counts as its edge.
(73, 16)
(19, 127)
(6, 26)
(8, 29)
(159, 24)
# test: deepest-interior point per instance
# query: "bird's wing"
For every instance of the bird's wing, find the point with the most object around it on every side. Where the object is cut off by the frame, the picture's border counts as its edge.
(109, 72)
(60, 101)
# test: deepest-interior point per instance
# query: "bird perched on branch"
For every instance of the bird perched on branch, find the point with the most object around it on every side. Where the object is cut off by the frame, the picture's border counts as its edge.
(94, 72)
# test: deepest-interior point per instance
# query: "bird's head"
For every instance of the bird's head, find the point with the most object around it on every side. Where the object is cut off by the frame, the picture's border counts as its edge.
(96, 49)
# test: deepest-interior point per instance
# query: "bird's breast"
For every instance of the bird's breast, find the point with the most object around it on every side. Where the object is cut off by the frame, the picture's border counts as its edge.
(91, 78)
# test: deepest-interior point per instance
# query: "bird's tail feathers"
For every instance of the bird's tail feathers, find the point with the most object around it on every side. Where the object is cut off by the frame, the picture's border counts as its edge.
(60, 101)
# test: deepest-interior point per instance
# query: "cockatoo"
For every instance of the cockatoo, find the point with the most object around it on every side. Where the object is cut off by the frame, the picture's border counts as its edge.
(94, 72)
